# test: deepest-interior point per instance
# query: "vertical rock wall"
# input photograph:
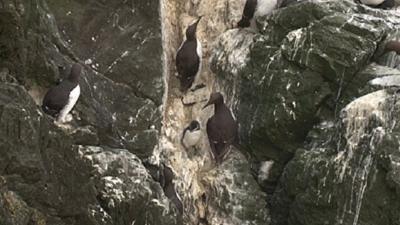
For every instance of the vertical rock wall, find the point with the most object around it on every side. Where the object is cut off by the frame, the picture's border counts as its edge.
(214, 194)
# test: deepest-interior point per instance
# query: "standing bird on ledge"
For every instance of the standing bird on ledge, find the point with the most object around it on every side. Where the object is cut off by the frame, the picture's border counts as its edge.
(60, 100)
(188, 58)
(256, 8)
(380, 4)
(222, 129)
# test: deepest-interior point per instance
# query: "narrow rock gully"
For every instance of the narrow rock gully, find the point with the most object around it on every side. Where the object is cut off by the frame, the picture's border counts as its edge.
(193, 168)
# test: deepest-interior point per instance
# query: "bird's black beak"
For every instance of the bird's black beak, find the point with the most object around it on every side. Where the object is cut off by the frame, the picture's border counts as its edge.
(198, 20)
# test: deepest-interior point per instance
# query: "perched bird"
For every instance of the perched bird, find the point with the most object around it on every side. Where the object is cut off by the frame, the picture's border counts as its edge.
(60, 99)
(188, 58)
(381, 4)
(166, 181)
(191, 135)
(256, 8)
(222, 129)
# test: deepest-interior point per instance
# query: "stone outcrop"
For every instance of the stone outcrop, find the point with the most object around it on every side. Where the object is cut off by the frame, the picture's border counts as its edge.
(315, 95)
(59, 174)
(305, 86)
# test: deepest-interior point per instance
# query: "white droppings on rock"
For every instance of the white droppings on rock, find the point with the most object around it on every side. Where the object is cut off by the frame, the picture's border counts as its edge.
(88, 61)
(265, 169)
(387, 81)
(366, 119)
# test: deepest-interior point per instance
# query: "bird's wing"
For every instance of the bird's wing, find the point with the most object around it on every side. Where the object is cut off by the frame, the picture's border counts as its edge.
(186, 60)
(214, 137)
(56, 98)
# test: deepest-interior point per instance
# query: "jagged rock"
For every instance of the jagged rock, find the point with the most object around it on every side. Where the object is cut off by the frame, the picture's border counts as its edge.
(119, 39)
(122, 115)
(348, 175)
(229, 198)
(299, 71)
(122, 184)
(45, 178)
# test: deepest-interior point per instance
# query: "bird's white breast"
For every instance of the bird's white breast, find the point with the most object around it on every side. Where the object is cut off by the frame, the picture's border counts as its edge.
(265, 7)
(191, 138)
(72, 99)
(200, 54)
(372, 2)
(198, 49)
(74, 95)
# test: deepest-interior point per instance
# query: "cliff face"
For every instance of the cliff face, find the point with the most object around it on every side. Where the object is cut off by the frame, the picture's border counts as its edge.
(305, 86)
(89, 171)
(313, 91)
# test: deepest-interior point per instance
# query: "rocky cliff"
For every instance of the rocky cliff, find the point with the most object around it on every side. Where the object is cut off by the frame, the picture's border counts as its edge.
(313, 91)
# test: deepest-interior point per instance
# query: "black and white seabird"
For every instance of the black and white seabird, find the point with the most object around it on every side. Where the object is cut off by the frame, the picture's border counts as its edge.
(60, 100)
(256, 8)
(380, 4)
(188, 58)
(166, 181)
(222, 129)
(191, 135)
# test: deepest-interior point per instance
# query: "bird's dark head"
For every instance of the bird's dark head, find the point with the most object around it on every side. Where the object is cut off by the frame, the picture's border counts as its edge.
(76, 70)
(194, 125)
(216, 98)
(191, 30)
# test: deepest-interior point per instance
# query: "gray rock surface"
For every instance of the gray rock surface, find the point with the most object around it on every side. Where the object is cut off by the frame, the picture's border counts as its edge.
(318, 119)
(45, 179)
(294, 90)
(351, 179)
(119, 39)
(37, 55)
(231, 187)
(45, 174)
